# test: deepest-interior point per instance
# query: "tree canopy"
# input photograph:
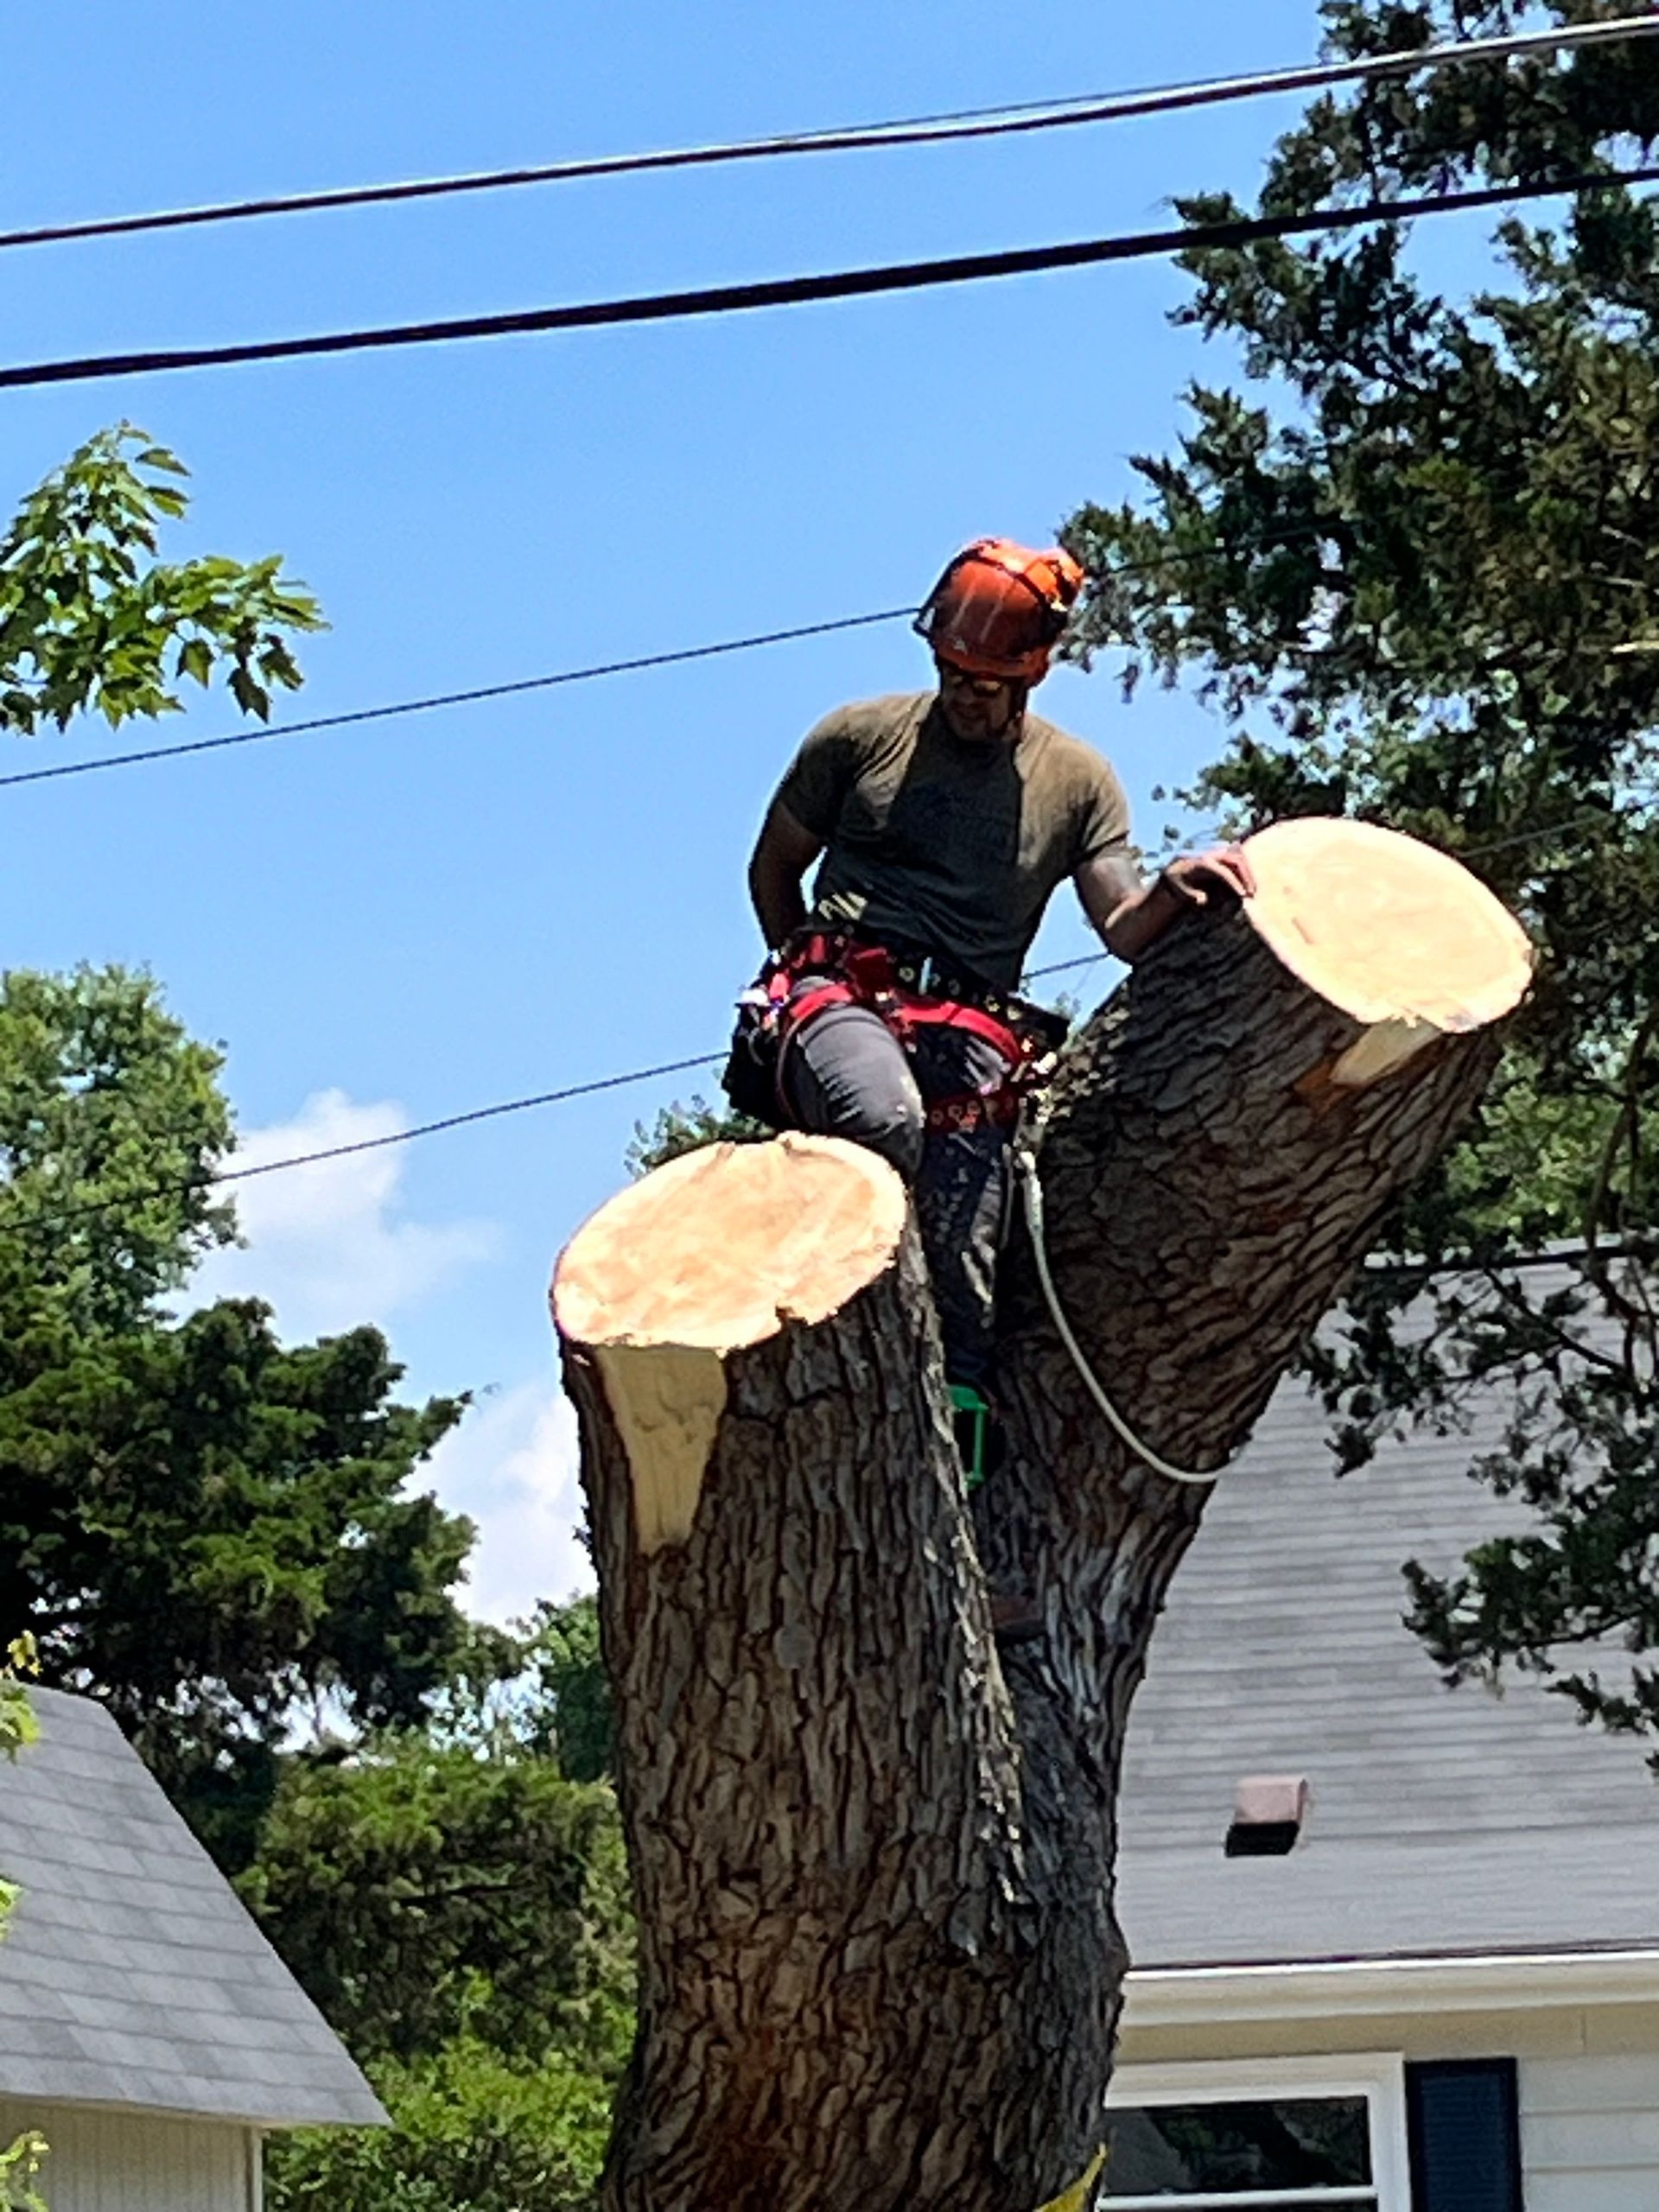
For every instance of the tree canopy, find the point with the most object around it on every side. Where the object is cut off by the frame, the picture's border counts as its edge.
(425, 1891)
(1411, 557)
(455, 1898)
(201, 1527)
(222, 1538)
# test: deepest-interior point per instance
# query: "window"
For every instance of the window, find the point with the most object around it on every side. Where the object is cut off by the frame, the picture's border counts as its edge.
(1257, 2135)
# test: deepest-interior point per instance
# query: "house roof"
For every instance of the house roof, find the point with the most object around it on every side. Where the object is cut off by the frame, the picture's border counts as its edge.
(130, 1974)
(1444, 1823)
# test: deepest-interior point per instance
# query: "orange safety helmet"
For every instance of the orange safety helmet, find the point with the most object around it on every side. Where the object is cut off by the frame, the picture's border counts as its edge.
(999, 609)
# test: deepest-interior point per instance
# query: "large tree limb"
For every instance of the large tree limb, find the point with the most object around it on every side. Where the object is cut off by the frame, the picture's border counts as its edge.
(873, 1855)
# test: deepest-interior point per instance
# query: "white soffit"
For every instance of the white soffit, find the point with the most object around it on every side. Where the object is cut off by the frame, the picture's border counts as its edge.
(1338, 1988)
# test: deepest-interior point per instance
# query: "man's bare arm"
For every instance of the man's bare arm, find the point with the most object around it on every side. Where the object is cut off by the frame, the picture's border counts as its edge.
(1130, 915)
(783, 853)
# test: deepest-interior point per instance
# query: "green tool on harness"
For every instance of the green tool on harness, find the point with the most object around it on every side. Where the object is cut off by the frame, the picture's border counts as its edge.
(970, 1414)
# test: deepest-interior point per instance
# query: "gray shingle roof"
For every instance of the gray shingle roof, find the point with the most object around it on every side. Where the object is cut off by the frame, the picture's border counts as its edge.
(1444, 1821)
(131, 1973)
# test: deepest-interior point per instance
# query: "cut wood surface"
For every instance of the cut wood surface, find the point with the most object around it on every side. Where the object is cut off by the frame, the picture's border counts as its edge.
(725, 1246)
(873, 1852)
(717, 1251)
(1385, 928)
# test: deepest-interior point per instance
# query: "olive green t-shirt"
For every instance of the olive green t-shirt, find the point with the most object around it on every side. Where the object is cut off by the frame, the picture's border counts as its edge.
(950, 846)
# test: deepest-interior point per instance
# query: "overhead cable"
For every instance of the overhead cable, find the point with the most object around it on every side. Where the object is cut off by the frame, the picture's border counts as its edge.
(799, 291)
(464, 1120)
(1279, 535)
(57, 1216)
(908, 131)
(265, 731)
(185, 1186)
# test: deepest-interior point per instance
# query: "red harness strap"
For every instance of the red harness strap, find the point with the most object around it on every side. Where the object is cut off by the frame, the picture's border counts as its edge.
(864, 974)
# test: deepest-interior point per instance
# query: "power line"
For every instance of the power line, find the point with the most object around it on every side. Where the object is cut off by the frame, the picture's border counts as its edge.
(1432, 1270)
(1601, 820)
(799, 291)
(462, 1121)
(184, 1186)
(909, 131)
(264, 733)
(1279, 535)
(1275, 538)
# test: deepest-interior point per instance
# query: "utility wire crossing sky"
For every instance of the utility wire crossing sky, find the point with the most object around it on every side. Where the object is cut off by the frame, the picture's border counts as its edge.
(264, 733)
(909, 131)
(837, 285)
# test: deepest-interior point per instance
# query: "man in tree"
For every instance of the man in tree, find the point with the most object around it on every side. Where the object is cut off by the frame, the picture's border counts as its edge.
(945, 820)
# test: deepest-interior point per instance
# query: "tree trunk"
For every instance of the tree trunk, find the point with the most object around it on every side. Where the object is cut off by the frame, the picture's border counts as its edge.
(872, 1849)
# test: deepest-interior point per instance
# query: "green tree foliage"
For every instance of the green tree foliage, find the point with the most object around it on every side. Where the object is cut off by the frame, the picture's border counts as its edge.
(20, 2169)
(425, 1892)
(470, 2132)
(90, 620)
(18, 1726)
(111, 1121)
(1413, 561)
(565, 1693)
(206, 1531)
(458, 1909)
(687, 1127)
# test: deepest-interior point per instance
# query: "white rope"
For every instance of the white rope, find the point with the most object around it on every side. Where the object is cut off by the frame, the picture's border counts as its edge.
(1024, 1163)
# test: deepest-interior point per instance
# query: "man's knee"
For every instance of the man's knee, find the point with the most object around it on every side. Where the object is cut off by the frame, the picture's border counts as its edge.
(845, 1075)
(875, 1105)
(893, 1123)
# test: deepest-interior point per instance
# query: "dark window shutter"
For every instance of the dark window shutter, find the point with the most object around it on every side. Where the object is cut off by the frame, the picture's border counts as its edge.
(1464, 2121)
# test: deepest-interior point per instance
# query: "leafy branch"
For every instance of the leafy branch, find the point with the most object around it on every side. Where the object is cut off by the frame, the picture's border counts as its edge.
(91, 619)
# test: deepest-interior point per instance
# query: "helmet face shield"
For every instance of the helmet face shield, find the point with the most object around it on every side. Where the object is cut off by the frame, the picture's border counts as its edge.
(999, 610)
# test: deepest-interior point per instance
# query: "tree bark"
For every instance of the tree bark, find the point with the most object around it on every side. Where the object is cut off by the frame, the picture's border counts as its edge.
(872, 1850)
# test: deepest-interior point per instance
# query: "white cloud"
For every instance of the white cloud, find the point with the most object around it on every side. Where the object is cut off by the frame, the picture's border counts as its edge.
(326, 1246)
(512, 1465)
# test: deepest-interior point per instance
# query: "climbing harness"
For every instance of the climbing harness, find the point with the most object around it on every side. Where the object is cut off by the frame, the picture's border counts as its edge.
(824, 968)
(1025, 1168)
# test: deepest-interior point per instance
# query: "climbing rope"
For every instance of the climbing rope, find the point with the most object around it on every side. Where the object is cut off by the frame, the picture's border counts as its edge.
(1025, 1162)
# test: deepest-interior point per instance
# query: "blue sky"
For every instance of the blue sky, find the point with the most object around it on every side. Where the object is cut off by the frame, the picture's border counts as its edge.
(390, 925)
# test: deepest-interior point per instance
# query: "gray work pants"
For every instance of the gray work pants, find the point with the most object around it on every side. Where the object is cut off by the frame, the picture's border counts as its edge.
(846, 1075)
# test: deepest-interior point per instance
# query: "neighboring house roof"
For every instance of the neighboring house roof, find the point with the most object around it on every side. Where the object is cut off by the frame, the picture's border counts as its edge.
(1444, 1823)
(131, 1974)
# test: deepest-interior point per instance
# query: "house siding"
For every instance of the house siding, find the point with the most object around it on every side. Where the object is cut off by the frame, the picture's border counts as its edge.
(136, 2162)
(1590, 2132)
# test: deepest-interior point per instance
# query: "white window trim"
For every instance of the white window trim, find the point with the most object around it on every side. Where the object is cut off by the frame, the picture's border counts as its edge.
(1378, 2076)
